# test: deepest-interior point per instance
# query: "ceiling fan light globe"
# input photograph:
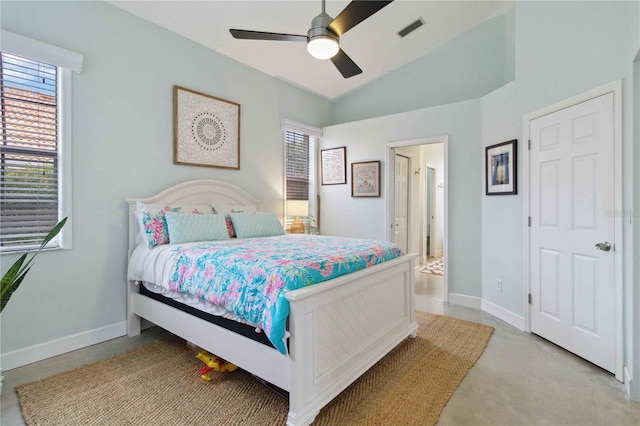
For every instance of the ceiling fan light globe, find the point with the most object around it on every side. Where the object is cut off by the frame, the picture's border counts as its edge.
(322, 47)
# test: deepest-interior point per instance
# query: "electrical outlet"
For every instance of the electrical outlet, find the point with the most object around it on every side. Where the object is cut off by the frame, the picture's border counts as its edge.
(499, 284)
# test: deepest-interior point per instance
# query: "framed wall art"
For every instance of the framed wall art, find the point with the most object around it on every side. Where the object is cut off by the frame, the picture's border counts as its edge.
(333, 165)
(365, 179)
(501, 168)
(206, 130)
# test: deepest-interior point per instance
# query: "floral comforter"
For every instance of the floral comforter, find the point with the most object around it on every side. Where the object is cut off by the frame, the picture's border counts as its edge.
(250, 277)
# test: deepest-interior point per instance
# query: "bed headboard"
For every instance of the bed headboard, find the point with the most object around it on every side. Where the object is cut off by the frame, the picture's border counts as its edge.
(204, 191)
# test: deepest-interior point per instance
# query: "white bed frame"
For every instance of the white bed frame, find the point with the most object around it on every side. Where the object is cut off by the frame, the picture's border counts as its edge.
(338, 329)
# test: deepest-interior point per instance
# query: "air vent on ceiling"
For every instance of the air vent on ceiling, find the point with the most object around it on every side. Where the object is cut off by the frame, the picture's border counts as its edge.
(411, 27)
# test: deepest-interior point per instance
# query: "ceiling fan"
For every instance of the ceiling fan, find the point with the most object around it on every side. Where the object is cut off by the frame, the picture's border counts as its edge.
(324, 35)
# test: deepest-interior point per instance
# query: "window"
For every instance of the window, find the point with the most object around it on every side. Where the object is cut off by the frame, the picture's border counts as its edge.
(35, 156)
(299, 170)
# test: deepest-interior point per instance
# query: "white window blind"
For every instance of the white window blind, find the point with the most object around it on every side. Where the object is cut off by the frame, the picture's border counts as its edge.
(297, 165)
(29, 154)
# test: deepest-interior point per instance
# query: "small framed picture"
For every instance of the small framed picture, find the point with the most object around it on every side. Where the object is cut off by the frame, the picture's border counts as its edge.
(365, 179)
(333, 164)
(501, 168)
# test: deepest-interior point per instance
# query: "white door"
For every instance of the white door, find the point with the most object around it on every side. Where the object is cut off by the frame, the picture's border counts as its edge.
(572, 227)
(401, 201)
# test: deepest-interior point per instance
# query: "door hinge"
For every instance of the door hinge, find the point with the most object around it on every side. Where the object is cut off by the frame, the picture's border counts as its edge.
(529, 298)
(529, 144)
(529, 221)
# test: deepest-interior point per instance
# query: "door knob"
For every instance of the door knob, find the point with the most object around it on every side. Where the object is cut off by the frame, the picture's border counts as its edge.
(604, 246)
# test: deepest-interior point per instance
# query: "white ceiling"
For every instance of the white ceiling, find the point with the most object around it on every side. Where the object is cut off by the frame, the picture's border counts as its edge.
(373, 44)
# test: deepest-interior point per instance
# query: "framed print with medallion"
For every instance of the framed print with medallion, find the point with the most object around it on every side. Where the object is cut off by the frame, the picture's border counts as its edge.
(206, 130)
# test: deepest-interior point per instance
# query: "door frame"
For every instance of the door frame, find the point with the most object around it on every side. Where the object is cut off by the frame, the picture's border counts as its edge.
(389, 189)
(614, 87)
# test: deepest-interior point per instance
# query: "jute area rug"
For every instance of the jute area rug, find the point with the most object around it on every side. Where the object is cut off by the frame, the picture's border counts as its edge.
(158, 384)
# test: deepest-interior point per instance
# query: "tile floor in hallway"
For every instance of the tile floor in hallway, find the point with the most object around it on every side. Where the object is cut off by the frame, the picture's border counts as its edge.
(520, 379)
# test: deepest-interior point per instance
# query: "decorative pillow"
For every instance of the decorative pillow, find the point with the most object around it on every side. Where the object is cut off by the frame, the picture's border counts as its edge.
(153, 223)
(256, 225)
(190, 228)
(229, 224)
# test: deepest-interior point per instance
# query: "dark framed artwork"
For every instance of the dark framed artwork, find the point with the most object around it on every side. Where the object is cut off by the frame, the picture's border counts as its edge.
(501, 168)
(333, 165)
(365, 179)
(206, 130)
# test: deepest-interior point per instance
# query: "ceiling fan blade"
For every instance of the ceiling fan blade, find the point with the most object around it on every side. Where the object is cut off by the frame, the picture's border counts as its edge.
(345, 64)
(355, 12)
(260, 35)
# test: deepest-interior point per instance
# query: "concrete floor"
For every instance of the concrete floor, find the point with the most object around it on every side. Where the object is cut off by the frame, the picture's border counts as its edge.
(520, 379)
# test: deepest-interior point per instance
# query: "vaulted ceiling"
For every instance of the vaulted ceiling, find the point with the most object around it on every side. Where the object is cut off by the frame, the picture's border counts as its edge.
(374, 45)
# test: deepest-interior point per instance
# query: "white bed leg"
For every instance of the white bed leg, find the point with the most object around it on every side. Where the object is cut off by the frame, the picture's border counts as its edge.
(293, 420)
(133, 320)
(414, 334)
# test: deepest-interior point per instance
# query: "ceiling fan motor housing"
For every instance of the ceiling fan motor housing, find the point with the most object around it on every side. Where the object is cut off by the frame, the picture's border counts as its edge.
(319, 28)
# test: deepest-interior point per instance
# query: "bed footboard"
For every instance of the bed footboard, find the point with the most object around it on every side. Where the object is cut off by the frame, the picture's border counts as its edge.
(341, 328)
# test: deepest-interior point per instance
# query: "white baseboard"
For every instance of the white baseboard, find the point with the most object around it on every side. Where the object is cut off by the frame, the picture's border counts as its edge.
(41, 351)
(464, 300)
(499, 312)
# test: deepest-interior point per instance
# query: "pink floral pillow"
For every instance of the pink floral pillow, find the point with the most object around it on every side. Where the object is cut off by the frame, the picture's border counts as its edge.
(227, 218)
(226, 209)
(154, 224)
(232, 232)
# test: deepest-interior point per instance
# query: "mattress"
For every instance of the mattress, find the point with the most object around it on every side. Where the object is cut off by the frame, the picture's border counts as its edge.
(223, 321)
(148, 266)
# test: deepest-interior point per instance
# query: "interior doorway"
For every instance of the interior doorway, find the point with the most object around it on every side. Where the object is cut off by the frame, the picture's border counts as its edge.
(426, 201)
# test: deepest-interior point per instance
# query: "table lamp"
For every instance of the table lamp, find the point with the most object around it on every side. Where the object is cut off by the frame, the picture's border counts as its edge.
(297, 208)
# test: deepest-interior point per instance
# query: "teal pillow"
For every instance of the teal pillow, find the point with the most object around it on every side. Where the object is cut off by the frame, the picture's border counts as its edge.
(249, 225)
(190, 228)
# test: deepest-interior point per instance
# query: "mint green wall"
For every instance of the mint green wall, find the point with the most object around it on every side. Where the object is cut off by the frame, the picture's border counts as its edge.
(123, 147)
(468, 67)
(365, 217)
(582, 45)
(561, 49)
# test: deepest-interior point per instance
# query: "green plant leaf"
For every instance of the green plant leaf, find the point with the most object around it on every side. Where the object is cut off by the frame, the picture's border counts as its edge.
(9, 278)
(8, 292)
(12, 279)
(54, 231)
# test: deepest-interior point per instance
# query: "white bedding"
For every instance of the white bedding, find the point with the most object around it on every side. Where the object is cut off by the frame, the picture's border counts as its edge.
(151, 267)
